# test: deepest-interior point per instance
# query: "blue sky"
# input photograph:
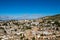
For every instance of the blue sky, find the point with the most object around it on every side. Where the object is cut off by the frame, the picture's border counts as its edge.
(26, 8)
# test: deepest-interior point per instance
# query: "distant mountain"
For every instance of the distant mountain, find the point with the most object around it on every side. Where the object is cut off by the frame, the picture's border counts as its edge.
(2, 18)
(53, 17)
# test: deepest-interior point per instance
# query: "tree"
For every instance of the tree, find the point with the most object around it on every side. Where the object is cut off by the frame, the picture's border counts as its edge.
(0, 38)
(26, 39)
(57, 23)
(57, 28)
(49, 22)
(22, 37)
(33, 38)
(5, 24)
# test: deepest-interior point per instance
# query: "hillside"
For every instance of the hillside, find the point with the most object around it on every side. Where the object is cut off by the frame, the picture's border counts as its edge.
(53, 17)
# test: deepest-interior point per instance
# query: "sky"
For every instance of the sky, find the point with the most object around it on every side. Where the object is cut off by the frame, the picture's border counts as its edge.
(29, 8)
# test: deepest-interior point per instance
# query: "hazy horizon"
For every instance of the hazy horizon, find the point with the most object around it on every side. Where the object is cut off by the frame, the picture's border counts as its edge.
(29, 8)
